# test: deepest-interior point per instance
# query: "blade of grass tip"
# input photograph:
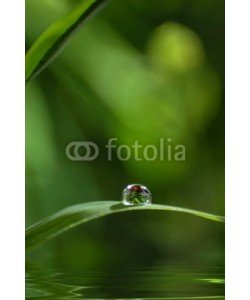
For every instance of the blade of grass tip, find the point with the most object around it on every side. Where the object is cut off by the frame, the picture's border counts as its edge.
(51, 41)
(75, 215)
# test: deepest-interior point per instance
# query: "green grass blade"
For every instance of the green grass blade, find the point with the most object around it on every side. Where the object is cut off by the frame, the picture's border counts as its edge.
(51, 41)
(81, 213)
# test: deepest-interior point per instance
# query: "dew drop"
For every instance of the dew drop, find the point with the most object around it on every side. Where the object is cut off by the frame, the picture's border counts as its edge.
(136, 194)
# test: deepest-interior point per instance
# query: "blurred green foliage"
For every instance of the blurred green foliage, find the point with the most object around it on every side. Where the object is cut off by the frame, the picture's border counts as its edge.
(138, 70)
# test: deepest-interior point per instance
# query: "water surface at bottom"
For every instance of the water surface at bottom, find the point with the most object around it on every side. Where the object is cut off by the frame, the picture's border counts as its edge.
(175, 283)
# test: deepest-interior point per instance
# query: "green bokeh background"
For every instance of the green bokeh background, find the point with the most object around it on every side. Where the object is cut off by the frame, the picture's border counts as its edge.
(138, 70)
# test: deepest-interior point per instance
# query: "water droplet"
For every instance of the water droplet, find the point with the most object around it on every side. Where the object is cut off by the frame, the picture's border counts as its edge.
(136, 194)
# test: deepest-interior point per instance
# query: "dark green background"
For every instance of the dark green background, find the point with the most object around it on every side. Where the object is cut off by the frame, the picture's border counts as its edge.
(138, 70)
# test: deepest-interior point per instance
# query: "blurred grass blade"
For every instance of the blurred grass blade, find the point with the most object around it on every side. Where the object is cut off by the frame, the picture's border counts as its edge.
(51, 41)
(81, 213)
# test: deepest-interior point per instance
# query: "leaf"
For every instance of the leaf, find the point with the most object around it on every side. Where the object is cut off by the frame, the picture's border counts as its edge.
(51, 41)
(75, 215)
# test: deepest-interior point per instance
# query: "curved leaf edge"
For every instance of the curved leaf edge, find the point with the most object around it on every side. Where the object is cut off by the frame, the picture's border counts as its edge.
(56, 37)
(75, 215)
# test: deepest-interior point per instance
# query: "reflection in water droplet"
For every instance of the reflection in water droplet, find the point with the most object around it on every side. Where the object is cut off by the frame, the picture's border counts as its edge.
(136, 194)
